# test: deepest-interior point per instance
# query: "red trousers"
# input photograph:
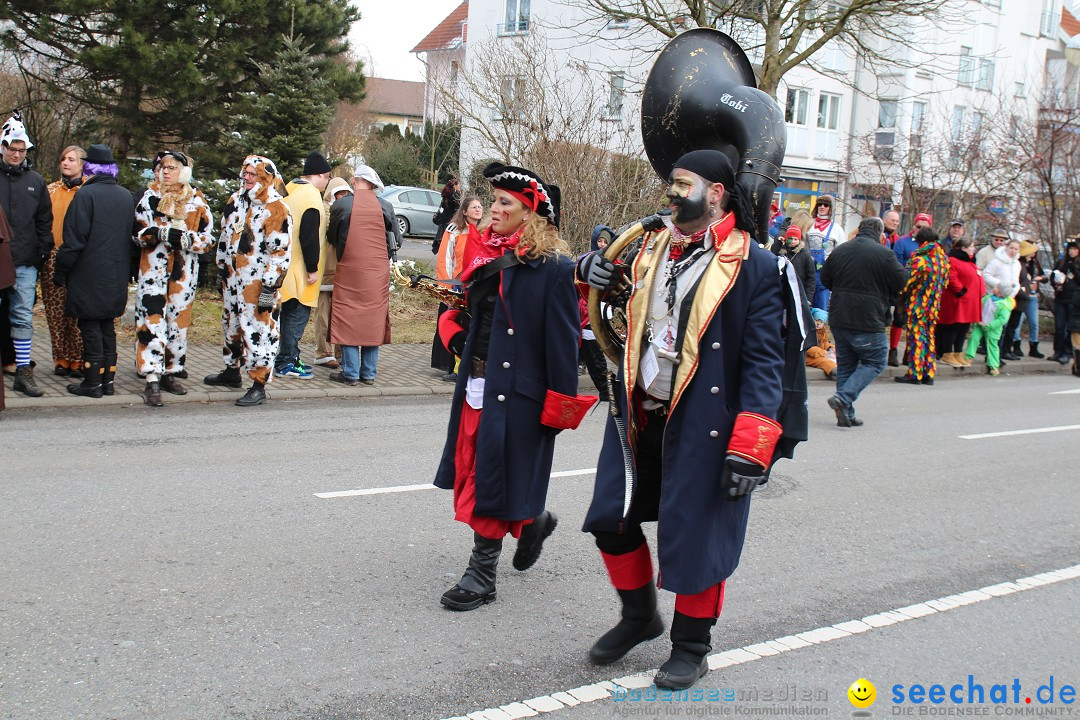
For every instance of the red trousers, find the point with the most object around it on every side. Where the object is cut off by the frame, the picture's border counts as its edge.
(465, 482)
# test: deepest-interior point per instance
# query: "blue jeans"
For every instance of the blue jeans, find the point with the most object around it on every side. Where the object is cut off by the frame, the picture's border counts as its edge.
(294, 318)
(358, 363)
(860, 358)
(21, 301)
(1031, 310)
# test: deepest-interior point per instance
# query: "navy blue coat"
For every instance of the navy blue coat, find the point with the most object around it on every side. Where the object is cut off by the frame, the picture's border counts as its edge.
(535, 335)
(739, 364)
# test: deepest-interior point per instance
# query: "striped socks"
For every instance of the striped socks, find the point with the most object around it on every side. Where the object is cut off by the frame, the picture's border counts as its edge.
(22, 352)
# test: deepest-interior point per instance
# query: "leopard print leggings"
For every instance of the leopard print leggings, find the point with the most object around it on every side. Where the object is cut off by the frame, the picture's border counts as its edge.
(64, 330)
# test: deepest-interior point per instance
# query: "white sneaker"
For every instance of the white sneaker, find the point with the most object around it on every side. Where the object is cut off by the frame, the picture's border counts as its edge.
(328, 360)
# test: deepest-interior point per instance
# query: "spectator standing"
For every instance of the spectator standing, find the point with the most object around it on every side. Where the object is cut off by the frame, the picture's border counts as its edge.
(173, 227)
(7, 271)
(928, 274)
(1066, 281)
(794, 249)
(891, 219)
(1029, 259)
(326, 353)
(957, 230)
(63, 329)
(961, 302)
(823, 236)
(998, 238)
(448, 266)
(1003, 274)
(448, 207)
(93, 263)
(865, 278)
(366, 239)
(300, 290)
(903, 248)
(253, 257)
(25, 200)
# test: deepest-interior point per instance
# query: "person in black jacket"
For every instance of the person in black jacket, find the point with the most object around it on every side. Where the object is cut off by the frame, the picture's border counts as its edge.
(26, 202)
(1066, 282)
(794, 249)
(93, 264)
(864, 276)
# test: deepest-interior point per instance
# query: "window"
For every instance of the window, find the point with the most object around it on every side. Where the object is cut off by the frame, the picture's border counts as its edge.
(966, 74)
(885, 138)
(618, 23)
(1051, 18)
(795, 109)
(828, 111)
(455, 68)
(956, 136)
(986, 75)
(511, 96)
(1020, 91)
(616, 93)
(918, 119)
(517, 18)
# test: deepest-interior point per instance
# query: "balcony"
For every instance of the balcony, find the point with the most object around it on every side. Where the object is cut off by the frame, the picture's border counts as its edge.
(521, 27)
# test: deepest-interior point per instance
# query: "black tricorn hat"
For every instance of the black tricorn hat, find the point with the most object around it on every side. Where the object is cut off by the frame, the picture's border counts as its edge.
(528, 187)
(99, 155)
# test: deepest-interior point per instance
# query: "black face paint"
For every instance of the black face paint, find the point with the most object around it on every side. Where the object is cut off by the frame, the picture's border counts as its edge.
(690, 208)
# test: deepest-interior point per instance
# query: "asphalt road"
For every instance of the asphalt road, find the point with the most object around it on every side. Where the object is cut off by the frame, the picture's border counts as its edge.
(179, 565)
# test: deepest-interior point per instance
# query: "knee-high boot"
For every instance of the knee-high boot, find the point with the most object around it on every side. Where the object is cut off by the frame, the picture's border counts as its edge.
(477, 585)
(691, 640)
(91, 383)
(632, 576)
(108, 375)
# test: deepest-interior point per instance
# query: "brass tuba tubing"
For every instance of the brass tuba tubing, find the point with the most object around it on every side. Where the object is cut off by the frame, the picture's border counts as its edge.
(606, 336)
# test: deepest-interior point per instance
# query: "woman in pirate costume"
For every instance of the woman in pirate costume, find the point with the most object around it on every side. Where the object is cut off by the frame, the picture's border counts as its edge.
(517, 384)
(173, 227)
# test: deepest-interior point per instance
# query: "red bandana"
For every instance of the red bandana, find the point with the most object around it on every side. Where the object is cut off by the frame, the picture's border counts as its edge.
(482, 249)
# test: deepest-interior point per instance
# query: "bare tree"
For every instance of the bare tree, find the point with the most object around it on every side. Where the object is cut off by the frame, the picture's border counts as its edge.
(564, 122)
(785, 33)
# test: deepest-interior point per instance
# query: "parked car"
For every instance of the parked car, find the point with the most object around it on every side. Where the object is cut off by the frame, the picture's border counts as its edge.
(413, 208)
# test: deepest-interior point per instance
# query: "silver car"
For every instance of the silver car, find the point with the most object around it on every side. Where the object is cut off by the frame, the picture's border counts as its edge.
(413, 208)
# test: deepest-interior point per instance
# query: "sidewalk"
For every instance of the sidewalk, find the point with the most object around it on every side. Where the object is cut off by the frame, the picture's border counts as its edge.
(403, 370)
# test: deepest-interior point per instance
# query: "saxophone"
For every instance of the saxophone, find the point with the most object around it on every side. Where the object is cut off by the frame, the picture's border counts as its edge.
(452, 294)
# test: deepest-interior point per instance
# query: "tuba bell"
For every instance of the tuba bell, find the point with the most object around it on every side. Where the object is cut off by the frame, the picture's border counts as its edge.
(701, 93)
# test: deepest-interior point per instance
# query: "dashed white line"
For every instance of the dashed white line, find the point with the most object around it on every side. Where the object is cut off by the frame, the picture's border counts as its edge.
(1075, 391)
(1032, 431)
(426, 486)
(604, 689)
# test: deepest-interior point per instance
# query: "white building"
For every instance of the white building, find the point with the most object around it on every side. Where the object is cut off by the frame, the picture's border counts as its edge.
(852, 132)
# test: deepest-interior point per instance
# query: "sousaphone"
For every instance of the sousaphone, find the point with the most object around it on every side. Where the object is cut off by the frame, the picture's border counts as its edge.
(701, 93)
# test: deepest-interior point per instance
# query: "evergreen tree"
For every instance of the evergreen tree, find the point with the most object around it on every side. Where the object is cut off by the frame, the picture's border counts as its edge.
(288, 118)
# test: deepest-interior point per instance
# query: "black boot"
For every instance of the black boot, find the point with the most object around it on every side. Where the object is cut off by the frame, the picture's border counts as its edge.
(91, 384)
(230, 377)
(477, 585)
(1018, 349)
(640, 622)
(108, 375)
(690, 645)
(24, 382)
(1033, 351)
(532, 539)
(256, 395)
(893, 361)
(1076, 363)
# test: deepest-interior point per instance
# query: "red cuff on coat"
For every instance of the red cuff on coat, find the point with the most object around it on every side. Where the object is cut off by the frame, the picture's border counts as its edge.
(449, 326)
(754, 438)
(565, 412)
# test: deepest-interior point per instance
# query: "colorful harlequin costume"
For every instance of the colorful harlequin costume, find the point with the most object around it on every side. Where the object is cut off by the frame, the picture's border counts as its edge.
(168, 269)
(928, 274)
(253, 256)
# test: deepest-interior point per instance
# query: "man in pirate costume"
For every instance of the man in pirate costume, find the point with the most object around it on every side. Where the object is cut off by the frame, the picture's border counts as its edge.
(173, 226)
(517, 384)
(253, 257)
(700, 386)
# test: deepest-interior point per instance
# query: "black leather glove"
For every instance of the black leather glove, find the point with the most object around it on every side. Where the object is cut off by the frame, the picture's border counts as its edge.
(962, 293)
(599, 272)
(267, 298)
(653, 223)
(740, 477)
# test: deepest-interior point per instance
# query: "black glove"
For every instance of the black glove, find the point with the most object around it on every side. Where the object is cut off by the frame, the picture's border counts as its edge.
(177, 240)
(267, 298)
(654, 222)
(151, 236)
(59, 280)
(962, 293)
(740, 477)
(597, 271)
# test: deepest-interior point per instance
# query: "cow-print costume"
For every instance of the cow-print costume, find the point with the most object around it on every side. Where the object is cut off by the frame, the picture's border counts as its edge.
(253, 252)
(167, 275)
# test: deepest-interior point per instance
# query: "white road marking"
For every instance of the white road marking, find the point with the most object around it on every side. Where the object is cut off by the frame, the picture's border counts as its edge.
(426, 486)
(1075, 391)
(606, 688)
(1033, 431)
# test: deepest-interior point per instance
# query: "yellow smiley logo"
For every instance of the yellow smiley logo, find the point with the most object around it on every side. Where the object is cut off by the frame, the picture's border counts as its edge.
(862, 693)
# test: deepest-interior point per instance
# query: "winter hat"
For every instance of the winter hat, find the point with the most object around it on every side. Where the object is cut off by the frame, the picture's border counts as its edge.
(366, 172)
(927, 218)
(793, 231)
(14, 130)
(819, 314)
(315, 164)
(99, 154)
(335, 186)
(1028, 248)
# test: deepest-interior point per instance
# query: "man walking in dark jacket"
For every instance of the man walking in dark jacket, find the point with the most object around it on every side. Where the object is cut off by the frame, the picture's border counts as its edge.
(25, 200)
(863, 276)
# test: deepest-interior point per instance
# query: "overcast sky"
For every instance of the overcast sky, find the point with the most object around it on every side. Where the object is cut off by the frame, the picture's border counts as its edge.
(389, 29)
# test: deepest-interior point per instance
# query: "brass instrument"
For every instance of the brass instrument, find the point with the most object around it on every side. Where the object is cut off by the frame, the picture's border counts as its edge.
(451, 295)
(701, 93)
